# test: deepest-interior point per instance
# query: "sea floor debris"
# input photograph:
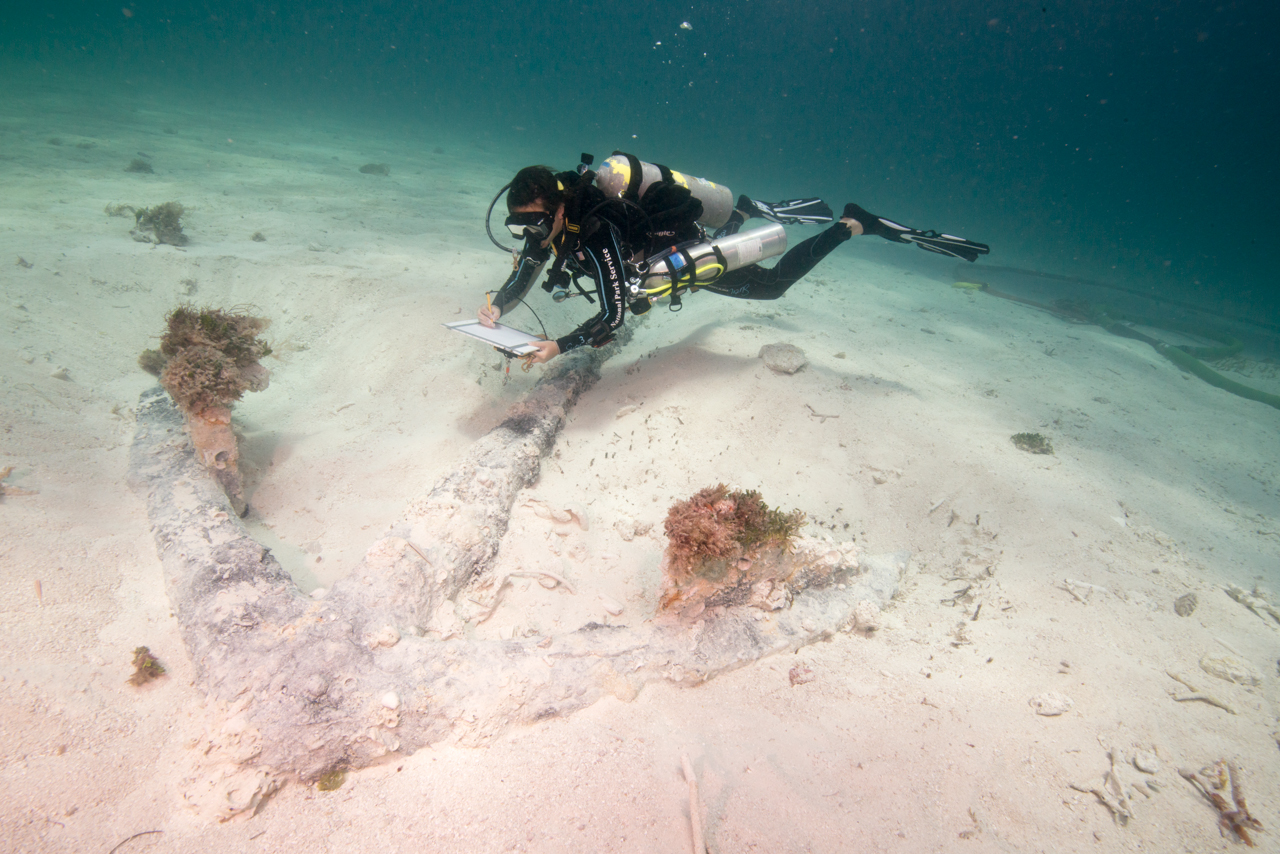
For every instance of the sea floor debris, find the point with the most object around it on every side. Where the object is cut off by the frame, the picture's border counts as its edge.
(302, 684)
(1196, 693)
(10, 490)
(1215, 782)
(1116, 791)
(146, 667)
(1258, 602)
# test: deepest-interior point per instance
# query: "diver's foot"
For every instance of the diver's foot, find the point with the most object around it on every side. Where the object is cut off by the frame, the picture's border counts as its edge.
(746, 208)
(872, 224)
(735, 222)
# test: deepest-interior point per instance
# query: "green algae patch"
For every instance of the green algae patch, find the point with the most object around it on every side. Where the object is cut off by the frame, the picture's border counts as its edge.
(1032, 443)
(332, 780)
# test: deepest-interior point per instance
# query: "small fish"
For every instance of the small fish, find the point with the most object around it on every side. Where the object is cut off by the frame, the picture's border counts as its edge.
(144, 154)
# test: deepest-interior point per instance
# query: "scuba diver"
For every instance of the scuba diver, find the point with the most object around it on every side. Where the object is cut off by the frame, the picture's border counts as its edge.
(639, 232)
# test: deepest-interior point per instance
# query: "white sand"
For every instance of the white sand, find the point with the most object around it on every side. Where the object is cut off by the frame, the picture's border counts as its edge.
(919, 738)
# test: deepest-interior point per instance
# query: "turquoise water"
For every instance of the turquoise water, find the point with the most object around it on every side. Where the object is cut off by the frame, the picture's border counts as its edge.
(1120, 157)
(1131, 144)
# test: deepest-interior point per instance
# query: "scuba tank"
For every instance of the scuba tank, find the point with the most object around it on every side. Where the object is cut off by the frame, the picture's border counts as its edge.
(690, 265)
(627, 176)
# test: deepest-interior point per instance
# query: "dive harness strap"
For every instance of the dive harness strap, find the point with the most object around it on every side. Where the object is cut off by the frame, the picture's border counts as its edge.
(599, 334)
(578, 225)
(632, 192)
(685, 275)
(557, 284)
(636, 178)
(682, 276)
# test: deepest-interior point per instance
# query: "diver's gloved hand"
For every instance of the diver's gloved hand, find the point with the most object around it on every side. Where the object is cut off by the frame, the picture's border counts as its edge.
(932, 241)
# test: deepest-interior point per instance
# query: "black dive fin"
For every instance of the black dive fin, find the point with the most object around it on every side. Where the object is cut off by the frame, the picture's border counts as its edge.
(947, 244)
(932, 241)
(789, 212)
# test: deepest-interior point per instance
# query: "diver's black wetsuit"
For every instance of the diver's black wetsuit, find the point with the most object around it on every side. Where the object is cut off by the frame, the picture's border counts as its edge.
(599, 257)
(756, 282)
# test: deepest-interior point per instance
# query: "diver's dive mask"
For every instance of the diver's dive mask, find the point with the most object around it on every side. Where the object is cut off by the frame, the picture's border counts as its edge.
(534, 224)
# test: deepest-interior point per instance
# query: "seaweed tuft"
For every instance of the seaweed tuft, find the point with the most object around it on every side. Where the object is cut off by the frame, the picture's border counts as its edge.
(331, 780)
(717, 524)
(152, 361)
(1032, 443)
(211, 357)
(160, 224)
(146, 667)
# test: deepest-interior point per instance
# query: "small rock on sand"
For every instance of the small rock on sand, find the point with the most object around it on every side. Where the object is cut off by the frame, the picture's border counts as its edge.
(629, 528)
(1186, 605)
(1051, 703)
(783, 358)
(1231, 669)
(800, 675)
(866, 616)
(1146, 762)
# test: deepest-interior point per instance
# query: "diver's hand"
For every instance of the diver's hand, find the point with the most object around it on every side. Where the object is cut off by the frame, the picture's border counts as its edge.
(547, 350)
(488, 315)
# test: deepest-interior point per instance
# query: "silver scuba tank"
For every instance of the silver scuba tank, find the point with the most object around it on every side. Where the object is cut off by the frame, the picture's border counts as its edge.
(616, 174)
(703, 263)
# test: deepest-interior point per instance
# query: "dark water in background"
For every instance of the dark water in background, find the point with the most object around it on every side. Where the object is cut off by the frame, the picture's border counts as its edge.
(1129, 142)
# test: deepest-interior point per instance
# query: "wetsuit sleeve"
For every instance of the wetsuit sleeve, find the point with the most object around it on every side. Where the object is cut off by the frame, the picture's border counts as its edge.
(601, 260)
(532, 257)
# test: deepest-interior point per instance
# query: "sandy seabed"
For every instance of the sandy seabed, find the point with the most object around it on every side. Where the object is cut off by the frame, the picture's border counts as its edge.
(921, 737)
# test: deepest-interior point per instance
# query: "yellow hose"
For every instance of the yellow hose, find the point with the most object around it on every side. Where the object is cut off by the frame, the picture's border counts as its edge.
(698, 279)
